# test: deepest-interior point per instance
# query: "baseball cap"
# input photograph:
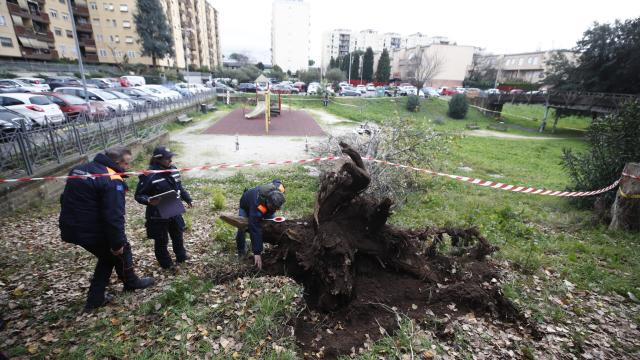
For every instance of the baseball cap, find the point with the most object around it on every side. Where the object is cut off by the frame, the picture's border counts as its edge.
(162, 152)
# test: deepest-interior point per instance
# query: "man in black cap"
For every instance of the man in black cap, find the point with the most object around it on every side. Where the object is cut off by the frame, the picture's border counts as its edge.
(257, 204)
(92, 216)
(160, 228)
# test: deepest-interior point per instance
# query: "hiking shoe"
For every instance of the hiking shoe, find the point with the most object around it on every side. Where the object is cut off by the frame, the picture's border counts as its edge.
(140, 283)
(89, 308)
(183, 258)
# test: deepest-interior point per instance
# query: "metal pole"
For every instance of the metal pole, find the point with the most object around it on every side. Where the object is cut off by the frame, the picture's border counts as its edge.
(75, 38)
(349, 69)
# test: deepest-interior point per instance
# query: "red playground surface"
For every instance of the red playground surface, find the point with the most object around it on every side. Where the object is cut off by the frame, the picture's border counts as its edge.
(289, 123)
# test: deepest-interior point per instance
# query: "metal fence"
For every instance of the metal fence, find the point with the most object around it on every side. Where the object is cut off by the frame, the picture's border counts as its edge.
(25, 151)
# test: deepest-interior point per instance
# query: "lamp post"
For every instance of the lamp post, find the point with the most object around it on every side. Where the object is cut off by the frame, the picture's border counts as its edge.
(77, 43)
(349, 68)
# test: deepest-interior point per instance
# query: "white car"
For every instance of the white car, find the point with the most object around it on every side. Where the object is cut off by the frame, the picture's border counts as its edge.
(21, 84)
(36, 107)
(129, 80)
(407, 89)
(110, 101)
(312, 89)
(371, 87)
(362, 89)
(161, 91)
(37, 82)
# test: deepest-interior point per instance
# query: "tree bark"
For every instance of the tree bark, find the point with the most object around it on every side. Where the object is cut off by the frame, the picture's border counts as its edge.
(625, 212)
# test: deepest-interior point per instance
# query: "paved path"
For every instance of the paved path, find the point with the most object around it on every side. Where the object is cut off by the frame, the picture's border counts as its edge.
(289, 123)
(497, 134)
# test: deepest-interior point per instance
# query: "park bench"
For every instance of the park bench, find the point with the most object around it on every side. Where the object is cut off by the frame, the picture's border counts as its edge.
(473, 126)
(204, 108)
(498, 126)
(184, 118)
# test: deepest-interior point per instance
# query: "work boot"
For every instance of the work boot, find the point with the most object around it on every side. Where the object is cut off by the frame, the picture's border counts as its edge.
(139, 283)
(183, 258)
(92, 306)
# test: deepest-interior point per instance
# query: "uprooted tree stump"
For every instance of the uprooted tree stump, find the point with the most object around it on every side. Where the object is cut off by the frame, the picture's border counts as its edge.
(349, 259)
(625, 212)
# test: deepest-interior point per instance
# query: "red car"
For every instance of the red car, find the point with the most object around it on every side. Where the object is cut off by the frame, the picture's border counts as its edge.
(72, 105)
(449, 92)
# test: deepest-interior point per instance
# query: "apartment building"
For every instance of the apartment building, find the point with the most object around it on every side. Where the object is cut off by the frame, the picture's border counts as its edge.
(336, 43)
(290, 34)
(42, 30)
(30, 24)
(528, 66)
(454, 61)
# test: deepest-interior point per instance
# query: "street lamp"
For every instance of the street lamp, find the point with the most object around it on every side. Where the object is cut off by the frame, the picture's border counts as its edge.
(75, 37)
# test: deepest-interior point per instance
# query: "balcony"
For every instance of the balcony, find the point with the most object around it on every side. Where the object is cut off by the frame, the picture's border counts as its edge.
(84, 27)
(41, 17)
(90, 58)
(15, 9)
(87, 42)
(81, 10)
(32, 34)
(33, 55)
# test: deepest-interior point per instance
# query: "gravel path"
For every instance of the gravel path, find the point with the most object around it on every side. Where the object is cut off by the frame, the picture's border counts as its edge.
(498, 134)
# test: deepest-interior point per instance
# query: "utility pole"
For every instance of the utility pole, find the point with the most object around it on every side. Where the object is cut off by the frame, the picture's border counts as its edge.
(349, 69)
(77, 42)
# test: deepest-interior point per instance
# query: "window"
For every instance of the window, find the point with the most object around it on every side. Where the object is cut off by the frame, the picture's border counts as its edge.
(129, 40)
(117, 38)
(100, 38)
(70, 34)
(93, 6)
(126, 24)
(124, 7)
(3, 21)
(7, 101)
(131, 54)
(535, 60)
(111, 38)
(520, 61)
(57, 31)
(114, 23)
(530, 60)
(102, 52)
(6, 42)
(96, 20)
(65, 16)
(53, 13)
(61, 1)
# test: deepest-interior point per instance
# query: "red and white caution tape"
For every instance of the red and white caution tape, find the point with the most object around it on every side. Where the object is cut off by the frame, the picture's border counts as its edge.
(474, 181)
(501, 186)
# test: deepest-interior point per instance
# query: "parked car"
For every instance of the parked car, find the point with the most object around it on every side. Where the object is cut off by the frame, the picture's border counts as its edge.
(100, 83)
(12, 121)
(36, 107)
(114, 103)
(139, 94)
(222, 89)
(19, 84)
(448, 92)
(281, 89)
(183, 89)
(492, 91)
(247, 87)
(472, 92)
(37, 82)
(12, 89)
(516, 91)
(430, 92)
(371, 87)
(302, 87)
(69, 104)
(136, 103)
(58, 81)
(350, 91)
(362, 89)
(312, 89)
(160, 91)
(131, 80)
(407, 89)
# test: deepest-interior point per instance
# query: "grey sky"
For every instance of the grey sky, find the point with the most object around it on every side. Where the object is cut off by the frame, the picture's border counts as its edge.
(499, 26)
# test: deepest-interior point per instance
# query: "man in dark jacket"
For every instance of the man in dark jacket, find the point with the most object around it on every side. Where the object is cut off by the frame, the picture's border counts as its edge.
(257, 204)
(158, 228)
(92, 216)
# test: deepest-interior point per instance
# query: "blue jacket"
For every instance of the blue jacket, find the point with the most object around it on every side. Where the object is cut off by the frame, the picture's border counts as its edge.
(249, 203)
(92, 209)
(154, 184)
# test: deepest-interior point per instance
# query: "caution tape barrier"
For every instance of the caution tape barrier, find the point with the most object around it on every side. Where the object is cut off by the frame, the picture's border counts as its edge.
(474, 181)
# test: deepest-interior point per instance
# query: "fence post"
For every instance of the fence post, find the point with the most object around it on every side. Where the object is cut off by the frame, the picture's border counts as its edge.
(76, 136)
(52, 139)
(24, 150)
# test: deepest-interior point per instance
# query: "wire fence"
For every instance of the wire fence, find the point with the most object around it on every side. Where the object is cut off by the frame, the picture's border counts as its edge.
(25, 151)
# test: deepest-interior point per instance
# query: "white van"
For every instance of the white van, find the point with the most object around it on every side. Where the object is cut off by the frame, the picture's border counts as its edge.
(130, 80)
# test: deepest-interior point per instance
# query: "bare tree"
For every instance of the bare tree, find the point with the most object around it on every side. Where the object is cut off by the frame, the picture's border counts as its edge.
(423, 66)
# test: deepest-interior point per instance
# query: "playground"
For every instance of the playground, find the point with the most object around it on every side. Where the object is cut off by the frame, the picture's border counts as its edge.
(288, 123)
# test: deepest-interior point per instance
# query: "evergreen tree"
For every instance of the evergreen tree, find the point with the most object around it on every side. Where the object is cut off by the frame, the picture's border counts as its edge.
(154, 30)
(355, 65)
(367, 65)
(332, 63)
(344, 63)
(383, 72)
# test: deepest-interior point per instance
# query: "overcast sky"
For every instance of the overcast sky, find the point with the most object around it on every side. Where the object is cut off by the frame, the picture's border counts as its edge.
(499, 26)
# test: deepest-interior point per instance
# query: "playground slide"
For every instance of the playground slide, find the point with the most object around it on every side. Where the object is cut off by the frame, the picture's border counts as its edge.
(260, 108)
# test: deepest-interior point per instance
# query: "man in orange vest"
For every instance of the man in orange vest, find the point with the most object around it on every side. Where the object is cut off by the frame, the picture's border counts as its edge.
(92, 216)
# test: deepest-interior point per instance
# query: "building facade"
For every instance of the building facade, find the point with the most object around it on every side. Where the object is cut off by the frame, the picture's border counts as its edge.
(335, 44)
(42, 30)
(528, 67)
(290, 34)
(453, 61)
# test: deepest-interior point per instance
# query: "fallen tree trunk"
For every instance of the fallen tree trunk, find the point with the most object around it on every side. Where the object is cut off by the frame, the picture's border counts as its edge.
(625, 212)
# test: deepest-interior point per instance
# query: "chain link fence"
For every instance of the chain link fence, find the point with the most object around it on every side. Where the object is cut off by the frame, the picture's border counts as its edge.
(25, 151)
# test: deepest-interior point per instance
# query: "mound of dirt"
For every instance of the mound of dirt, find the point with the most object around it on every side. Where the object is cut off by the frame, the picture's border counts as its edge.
(359, 273)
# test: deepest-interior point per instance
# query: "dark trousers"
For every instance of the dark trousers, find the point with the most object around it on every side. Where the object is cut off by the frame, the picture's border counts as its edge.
(241, 242)
(104, 267)
(160, 231)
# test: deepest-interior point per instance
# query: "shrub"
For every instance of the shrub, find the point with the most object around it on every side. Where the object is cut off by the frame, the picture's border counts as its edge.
(217, 199)
(458, 106)
(440, 120)
(413, 103)
(224, 234)
(614, 142)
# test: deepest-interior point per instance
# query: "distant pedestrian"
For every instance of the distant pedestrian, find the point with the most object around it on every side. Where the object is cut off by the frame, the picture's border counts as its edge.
(159, 228)
(92, 216)
(325, 100)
